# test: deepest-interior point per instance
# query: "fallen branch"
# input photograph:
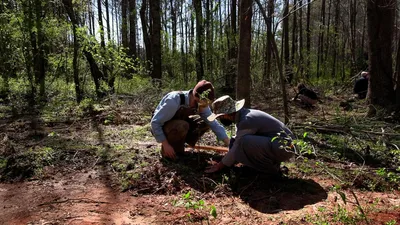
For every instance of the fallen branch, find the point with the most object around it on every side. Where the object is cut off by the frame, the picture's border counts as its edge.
(213, 148)
(79, 200)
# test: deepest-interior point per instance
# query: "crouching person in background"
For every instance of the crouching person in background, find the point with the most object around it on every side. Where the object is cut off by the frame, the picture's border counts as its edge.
(262, 142)
(181, 116)
(361, 85)
(307, 96)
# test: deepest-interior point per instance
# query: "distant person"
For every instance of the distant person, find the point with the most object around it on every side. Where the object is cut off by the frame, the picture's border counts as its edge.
(181, 116)
(306, 95)
(361, 85)
(262, 142)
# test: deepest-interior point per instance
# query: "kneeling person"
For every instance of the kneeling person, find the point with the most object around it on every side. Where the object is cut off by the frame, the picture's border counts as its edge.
(306, 95)
(262, 142)
(181, 116)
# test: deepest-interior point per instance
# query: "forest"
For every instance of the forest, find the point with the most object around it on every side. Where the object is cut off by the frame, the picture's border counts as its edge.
(80, 80)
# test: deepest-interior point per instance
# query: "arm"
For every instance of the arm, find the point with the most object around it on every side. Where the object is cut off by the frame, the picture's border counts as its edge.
(229, 158)
(216, 127)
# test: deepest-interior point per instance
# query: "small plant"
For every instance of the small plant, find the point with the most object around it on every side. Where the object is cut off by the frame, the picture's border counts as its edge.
(188, 202)
(391, 222)
(213, 211)
(390, 176)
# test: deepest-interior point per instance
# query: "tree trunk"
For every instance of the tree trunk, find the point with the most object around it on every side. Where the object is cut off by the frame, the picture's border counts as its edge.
(353, 17)
(107, 20)
(94, 69)
(145, 31)
(102, 42)
(335, 37)
(279, 65)
(294, 33)
(100, 15)
(326, 52)
(321, 39)
(230, 78)
(286, 56)
(132, 28)
(174, 25)
(308, 40)
(184, 40)
(124, 25)
(41, 59)
(268, 58)
(397, 77)
(199, 39)
(301, 65)
(243, 83)
(156, 39)
(209, 49)
(380, 15)
(78, 90)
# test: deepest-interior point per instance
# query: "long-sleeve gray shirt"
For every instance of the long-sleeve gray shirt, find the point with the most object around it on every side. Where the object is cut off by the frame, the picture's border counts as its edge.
(256, 122)
(166, 110)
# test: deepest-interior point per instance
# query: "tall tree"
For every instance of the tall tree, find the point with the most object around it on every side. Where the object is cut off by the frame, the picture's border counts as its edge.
(94, 68)
(397, 77)
(353, 34)
(174, 24)
(124, 25)
(335, 44)
(40, 57)
(380, 15)
(286, 56)
(230, 77)
(156, 39)
(294, 33)
(300, 65)
(243, 83)
(308, 39)
(132, 28)
(199, 39)
(268, 52)
(108, 20)
(321, 31)
(146, 35)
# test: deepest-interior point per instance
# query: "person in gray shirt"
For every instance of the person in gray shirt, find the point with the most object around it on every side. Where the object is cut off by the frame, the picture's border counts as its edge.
(262, 142)
(181, 116)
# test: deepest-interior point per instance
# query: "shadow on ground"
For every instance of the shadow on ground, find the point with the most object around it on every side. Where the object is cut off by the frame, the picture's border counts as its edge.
(263, 193)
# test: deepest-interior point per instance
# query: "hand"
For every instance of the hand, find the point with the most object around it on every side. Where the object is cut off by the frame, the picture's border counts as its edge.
(227, 141)
(214, 168)
(168, 151)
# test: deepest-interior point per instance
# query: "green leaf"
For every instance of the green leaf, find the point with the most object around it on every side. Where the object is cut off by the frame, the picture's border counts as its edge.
(343, 196)
(213, 211)
(305, 134)
(273, 139)
(201, 202)
(187, 195)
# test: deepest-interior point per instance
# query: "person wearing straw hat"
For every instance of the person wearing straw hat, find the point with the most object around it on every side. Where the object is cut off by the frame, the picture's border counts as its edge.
(262, 142)
(181, 116)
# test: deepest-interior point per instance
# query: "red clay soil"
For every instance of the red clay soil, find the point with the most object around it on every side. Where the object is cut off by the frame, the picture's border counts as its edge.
(89, 197)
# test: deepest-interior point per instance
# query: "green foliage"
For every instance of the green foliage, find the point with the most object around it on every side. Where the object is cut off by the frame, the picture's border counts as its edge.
(391, 222)
(213, 211)
(390, 176)
(188, 202)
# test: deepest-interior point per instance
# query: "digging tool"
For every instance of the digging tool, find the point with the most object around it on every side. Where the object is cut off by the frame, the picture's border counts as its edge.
(212, 148)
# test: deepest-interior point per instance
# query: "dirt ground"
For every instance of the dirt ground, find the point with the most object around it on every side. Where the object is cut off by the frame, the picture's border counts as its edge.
(85, 187)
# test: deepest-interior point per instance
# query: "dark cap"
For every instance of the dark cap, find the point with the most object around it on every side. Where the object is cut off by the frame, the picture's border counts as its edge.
(202, 87)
